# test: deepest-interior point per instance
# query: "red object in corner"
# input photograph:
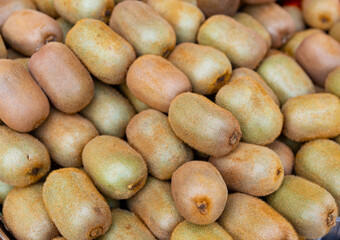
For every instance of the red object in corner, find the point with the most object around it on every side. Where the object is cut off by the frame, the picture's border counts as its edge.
(292, 3)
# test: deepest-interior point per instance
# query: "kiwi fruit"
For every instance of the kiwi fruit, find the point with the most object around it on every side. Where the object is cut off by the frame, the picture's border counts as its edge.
(311, 117)
(67, 84)
(25, 214)
(242, 45)
(207, 68)
(150, 133)
(115, 167)
(193, 2)
(3, 50)
(214, 7)
(334, 31)
(155, 205)
(127, 225)
(199, 192)
(189, 231)
(23, 62)
(136, 103)
(109, 111)
(4, 190)
(319, 162)
(65, 26)
(318, 54)
(285, 154)
(47, 7)
(308, 207)
(23, 160)
(28, 30)
(75, 205)
(332, 84)
(285, 77)
(131, 19)
(275, 19)
(12, 54)
(296, 14)
(156, 81)
(103, 52)
(65, 136)
(294, 146)
(204, 125)
(59, 238)
(185, 18)
(74, 11)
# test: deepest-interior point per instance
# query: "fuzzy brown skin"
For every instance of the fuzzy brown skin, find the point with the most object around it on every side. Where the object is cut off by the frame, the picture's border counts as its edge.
(59, 238)
(308, 207)
(311, 117)
(204, 125)
(251, 169)
(65, 26)
(7, 7)
(247, 217)
(242, 45)
(214, 7)
(4, 190)
(207, 68)
(104, 53)
(3, 50)
(285, 154)
(23, 105)
(132, 18)
(65, 136)
(136, 103)
(25, 214)
(199, 192)
(332, 84)
(75, 205)
(46, 6)
(28, 30)
(319, 162)
(275, 19)
(23, 62)
(156, 81)
(63, 77)
(155, 205)
(296, 13)
(127, 225)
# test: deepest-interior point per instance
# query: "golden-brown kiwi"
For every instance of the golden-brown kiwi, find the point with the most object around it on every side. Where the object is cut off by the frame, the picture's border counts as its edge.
(25, 214)
(75, 205)
(332, 84)
(28, 30)
(65, 137)
(4, 190)
(199, 192)
(62, 76)
(136, 103)
(296, 14)
(132, 19)
(334, 32)
(3, 50)
(204, 125)
(23, 105)
(242, 45)
(155, 205)
(65, 26)
(285, 154)
(214, 7)
(104, 53)
(207, 68)
(46, 6)
(156, 81)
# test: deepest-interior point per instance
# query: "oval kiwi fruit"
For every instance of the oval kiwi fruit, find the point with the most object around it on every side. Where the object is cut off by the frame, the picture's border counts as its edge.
(25, 214)
(136, 103)
(7, 7)
(214, 7)
(285, 154)
(332, 84)
(65, 26)
(207, 68)
(204, 125)
(47, 7)
(296, 14)
(4, 190)
(3, 50)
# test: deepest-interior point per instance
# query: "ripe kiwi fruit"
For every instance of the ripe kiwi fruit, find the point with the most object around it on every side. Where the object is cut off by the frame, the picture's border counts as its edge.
(103, 52)
(155, 205)
(109, 111)
(204, 125)
(25, 214)
(332, 84)
(207, 68)
(28, 30)
(319, 162)
(127, 225)
(214, 7)
(242, 45)
(311, 117)
(136, 103)
(3, 50)
(156, 81)
(47, 7)
(67, 84)
(308, 207)
(65, 26)
(334, 32)
(285, 154)
(189, 231)
(65, 136)
(23, 62)
(251, 169)
(199, 192)
(131, 19)
(296, 14)
(4, 190)
(115, 167)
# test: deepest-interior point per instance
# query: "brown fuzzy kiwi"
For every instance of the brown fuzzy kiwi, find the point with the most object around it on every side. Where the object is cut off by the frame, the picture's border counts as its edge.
(65, 136)
(247, 217)
(155, 205)
(25, 214)
(156, 81)
(285, 154)
(131, 19)
(3, 50)
(23, 105)
(75, 205)
(46, 6)
(242, 45)
(136, 103)
(214, 7)
(332, 84)
(28, 30)
(65, 26)
(199, 192)
(308, 207)
(204, 125)
(296, 13)
(4, 190)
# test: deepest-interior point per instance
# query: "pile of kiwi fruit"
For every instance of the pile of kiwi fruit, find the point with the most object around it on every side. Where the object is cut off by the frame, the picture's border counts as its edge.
(169, 119)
